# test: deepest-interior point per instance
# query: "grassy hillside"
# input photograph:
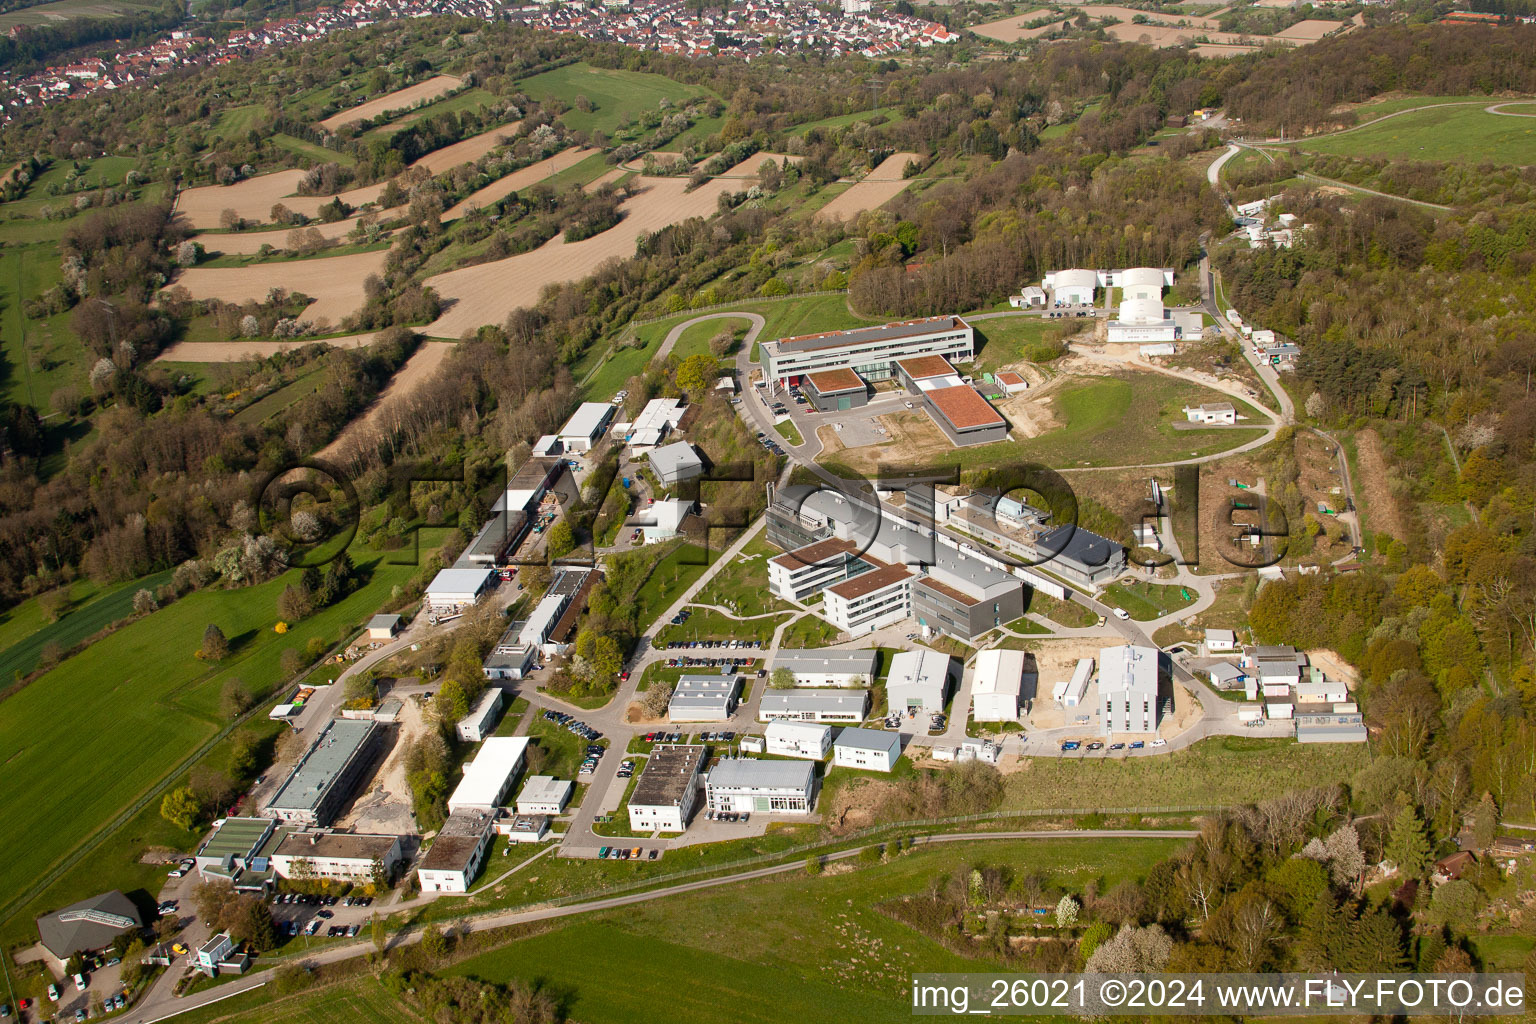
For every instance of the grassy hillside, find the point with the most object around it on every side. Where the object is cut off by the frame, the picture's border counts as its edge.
(1465, 134)
(616, 95)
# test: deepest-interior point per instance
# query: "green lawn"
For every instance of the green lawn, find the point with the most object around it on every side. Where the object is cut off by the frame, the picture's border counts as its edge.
(704, 624)
(108, 725)
(1221, 771)
(469, 99)
(1123, 419)
(674, 574)
(234, 122)
(26, 632)
(891, 114)
(787, 430)
(810, 631)
(563, 750)
(1465, 134)
(269, 405)
(615, 94)
(781, 319)
(40, 356)
(743, 585)
(357, 999)
(791, 947)
(308, 149)
(1146, 601)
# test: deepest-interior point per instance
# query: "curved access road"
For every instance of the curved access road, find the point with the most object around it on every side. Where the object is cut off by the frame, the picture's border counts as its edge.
(758, 323)
(1498, 108)
(162, 1009)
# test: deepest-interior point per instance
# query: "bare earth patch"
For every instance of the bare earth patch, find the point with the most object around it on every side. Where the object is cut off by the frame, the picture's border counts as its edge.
(335, 284)
(466, 151)
(1382, 512)
(239, 351)
(878, 187)
(400, 99)
(252, 198)
(1011, 30)
(489, 292)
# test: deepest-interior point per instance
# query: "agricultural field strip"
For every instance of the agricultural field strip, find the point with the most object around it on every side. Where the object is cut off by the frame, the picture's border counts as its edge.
(522, 178)
(875, 189)
(335, 284)
(400, 99)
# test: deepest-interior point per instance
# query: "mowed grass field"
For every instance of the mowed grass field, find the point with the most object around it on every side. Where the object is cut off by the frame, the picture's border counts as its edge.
(1221, 771)
(25, 630)
(787, 948)
(106, 726)
(615, 94)
(1461, 134)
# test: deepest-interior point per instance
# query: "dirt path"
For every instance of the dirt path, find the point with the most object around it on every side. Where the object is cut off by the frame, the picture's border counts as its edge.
(400, 99)
(381, 416)
(1381, 505)
(336, 284)
(875, 189)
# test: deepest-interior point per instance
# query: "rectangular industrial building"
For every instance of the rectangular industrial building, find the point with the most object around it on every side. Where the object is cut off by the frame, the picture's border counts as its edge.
(544, 794)
(784, 738)
(997, 685)
(1070, 693)
(918, 681)
(955, 407)
(814, 705)
(452, 590)
(481, 720)
(829, 667)
(320, 785)
(1128, 689)
(660, 417)
(869, 351)
(766, 787)
(866, 749)
(340, 856)
(511, 658)
(586, 426)
(664, 796)
(489, 777)
(806, 571)
(457, 853)
(675, 463)
(703, 698)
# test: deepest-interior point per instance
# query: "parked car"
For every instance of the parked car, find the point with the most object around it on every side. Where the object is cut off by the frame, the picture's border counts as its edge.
(1159, 743)
(1137, 744)
(1095, 745)
(1070, 745)
(53, 992)
(1121, 613)
(654, 854)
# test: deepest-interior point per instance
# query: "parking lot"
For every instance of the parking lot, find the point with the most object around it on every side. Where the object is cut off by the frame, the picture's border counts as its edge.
(311, 915)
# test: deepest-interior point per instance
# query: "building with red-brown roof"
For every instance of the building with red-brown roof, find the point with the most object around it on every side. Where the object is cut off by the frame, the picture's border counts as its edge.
(836, 390)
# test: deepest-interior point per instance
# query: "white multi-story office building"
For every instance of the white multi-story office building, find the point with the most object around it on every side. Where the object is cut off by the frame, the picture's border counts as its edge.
(871, 352)
(1128, 689)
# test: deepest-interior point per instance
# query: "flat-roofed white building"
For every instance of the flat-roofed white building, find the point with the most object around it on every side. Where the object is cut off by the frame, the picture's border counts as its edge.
(786, 738)
(814, 705)
(804, 572)
(668, 787)
(586, 426)
(663, 520)
(454, 589)
(544, 794)
(675, 463)
(1221, 413)
(1128, 689)
(342, 856)
(1220, 641)
(918, 681)
(1069, 693)
(750, 785)
(704, 698)
(481, 720)
(829, 667)
(866, 749)
(489, 777)
(996, 685)
(658, 419)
